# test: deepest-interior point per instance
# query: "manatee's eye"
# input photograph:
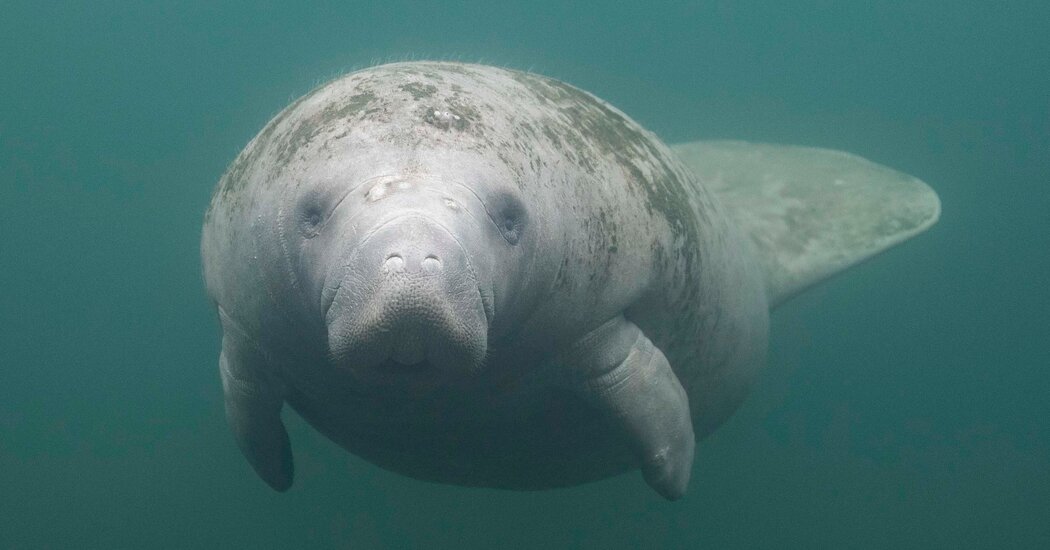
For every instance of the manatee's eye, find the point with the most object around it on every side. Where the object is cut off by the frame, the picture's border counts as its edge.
(510, 217)
(310, 217)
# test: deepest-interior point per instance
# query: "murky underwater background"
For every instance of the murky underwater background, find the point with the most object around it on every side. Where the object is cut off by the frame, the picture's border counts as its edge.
(906, 403)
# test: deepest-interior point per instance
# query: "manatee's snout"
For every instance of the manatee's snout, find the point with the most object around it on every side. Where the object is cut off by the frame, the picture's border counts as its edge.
(409, 304)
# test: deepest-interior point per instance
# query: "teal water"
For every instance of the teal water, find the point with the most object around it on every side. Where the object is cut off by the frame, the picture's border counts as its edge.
(905, 404)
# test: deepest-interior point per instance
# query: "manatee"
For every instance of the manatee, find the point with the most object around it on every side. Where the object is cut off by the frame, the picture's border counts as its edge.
(485, 277)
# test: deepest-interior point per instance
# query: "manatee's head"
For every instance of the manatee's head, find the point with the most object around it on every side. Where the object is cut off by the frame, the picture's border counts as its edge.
(410, 272)
(412, 267)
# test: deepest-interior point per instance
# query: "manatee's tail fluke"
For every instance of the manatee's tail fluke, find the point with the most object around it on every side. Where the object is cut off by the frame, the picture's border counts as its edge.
(810, 212)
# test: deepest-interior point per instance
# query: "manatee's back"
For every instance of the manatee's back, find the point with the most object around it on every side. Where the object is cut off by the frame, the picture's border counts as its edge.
(810, 212)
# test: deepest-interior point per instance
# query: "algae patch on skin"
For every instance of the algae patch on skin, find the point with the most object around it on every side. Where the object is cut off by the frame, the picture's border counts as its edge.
(418, 90)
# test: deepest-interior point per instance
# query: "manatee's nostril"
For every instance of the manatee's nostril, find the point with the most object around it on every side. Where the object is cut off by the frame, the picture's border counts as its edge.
(394, 262)
(431, 263)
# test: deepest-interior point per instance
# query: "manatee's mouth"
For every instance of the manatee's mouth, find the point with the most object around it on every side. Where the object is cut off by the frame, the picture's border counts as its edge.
(407, 305)
(390, 336)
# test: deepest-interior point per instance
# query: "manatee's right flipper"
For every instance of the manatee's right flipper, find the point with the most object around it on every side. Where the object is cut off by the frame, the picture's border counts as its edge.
(621, 372)
(253, 410)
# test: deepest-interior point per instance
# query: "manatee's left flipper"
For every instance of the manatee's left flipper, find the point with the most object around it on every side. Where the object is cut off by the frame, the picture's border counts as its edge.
(253, 409)
(620, 371)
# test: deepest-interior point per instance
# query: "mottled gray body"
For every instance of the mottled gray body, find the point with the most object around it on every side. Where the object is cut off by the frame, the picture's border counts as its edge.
(607, 231)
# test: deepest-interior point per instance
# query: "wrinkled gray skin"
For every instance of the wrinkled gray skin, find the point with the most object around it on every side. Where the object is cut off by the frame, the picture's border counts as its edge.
(477, 276)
